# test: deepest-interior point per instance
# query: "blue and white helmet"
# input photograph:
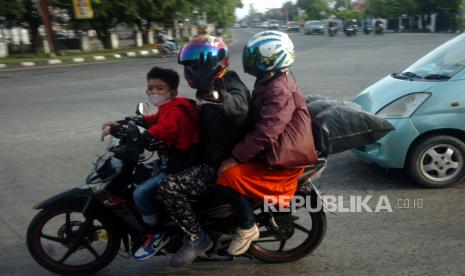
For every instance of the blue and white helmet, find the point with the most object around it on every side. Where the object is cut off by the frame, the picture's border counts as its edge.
(268, 50)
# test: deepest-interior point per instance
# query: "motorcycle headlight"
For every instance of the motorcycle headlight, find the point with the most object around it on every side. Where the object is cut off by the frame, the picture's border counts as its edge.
(403, 107)
(104, 171)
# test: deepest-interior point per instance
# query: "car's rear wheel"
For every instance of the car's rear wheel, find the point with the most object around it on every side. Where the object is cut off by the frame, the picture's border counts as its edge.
(437, 161)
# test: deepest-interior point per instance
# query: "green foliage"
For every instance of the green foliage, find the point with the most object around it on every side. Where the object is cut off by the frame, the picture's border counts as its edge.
(12, 11)
(219, 12)
(395, 8)
(315, 9)
(344, 15)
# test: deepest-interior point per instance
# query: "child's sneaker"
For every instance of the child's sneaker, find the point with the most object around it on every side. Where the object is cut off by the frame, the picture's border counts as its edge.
(152, 244)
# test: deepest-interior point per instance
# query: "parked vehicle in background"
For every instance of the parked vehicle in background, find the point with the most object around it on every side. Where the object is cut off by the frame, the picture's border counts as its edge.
(293, 27)
(243, 25)
(236, 25)
(426, 105)
(265, 25)
(314, 27)
(274, 25)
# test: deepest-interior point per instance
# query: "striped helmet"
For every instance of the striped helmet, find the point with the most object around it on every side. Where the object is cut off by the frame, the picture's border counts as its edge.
(268, 50)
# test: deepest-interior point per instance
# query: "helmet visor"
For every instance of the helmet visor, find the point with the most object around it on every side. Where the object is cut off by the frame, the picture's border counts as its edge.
(250, 60)
(192, 52)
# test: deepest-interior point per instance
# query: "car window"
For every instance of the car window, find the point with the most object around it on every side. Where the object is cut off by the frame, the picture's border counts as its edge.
(447, 60)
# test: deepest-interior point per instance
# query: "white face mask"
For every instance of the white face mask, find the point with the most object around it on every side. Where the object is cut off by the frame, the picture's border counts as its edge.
(157, 99)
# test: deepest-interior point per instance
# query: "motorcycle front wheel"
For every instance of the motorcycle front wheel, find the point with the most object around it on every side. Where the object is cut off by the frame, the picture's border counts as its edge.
(63, 241)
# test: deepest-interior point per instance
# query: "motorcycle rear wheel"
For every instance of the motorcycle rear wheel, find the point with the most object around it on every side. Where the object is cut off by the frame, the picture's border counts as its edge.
(278, 253)
(63, 238)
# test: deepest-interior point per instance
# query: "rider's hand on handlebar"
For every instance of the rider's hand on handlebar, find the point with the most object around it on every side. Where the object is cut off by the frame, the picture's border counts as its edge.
(108, 124)
(106, 128)
(105, 132)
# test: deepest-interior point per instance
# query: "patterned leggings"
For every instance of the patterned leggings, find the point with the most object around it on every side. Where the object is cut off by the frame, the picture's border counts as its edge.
(177, 189)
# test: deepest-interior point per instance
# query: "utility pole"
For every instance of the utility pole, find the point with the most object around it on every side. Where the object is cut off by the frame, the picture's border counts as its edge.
(48, 26)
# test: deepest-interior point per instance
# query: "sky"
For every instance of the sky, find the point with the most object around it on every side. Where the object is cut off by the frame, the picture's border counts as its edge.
(260, 6)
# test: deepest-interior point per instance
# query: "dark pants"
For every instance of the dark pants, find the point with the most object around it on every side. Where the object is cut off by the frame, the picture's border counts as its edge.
(176, 191)
(241, 205)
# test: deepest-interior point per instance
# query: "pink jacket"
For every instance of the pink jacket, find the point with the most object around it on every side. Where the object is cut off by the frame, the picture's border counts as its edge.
(282, 127)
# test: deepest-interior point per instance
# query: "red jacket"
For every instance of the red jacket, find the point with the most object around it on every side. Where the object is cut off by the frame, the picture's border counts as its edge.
(175, 124)
(282, 128)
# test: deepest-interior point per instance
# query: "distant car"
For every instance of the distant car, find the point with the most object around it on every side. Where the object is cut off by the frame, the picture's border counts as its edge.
(314, 27)
(236, 25)
(426, 105)
(293, 27)
(243, 25)
(265, 25)
(274, 25)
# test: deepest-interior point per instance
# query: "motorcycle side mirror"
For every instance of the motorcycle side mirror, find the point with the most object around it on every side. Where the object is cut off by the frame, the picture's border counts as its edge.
(142, 108)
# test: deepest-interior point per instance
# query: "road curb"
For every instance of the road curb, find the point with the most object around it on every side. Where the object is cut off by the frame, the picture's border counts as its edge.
(98, 58)
(55, 61)
(28, 64)
(80, 60)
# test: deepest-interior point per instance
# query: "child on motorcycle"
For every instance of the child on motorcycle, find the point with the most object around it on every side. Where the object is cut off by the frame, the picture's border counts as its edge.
(173, 133)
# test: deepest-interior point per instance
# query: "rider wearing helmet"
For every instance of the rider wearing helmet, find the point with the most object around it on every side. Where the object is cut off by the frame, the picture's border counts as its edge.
(271, 157)
(223, 102)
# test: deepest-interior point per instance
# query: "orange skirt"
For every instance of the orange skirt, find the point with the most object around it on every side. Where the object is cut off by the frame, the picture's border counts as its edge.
(257, 181)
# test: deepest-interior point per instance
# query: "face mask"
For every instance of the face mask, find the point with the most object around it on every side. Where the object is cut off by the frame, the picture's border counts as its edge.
(157, 99)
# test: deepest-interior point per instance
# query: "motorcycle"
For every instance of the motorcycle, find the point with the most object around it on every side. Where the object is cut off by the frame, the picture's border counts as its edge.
(167, 50)
(379, 29)
(80, 231)
(332, 31)
(349, 30)
(367, 29)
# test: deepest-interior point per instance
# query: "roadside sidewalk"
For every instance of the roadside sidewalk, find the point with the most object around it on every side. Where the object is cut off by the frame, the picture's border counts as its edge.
(79, 59)
(82, 58)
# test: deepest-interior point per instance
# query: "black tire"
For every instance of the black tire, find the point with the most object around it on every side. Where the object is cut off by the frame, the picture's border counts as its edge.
(314, 239)
(430, 165)
(36, 249)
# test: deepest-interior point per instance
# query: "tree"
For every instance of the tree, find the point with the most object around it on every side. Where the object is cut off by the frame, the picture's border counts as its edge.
(107, 14)
(12, 12)
(290, 10)
(315, 9)
(427, 7)
(345, 15)
(23, 13)
(151, 11)
(219, 12)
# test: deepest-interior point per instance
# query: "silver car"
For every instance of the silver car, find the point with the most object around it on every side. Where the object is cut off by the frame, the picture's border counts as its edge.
(314, 27)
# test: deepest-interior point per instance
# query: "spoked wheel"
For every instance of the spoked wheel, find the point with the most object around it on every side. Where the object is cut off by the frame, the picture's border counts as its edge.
(63, 241)
(297, 235)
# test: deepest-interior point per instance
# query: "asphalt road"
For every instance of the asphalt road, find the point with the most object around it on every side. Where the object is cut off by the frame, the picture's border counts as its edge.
(50, 120)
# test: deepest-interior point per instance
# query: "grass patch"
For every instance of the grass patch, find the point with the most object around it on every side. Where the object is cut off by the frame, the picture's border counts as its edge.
(17, 58)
